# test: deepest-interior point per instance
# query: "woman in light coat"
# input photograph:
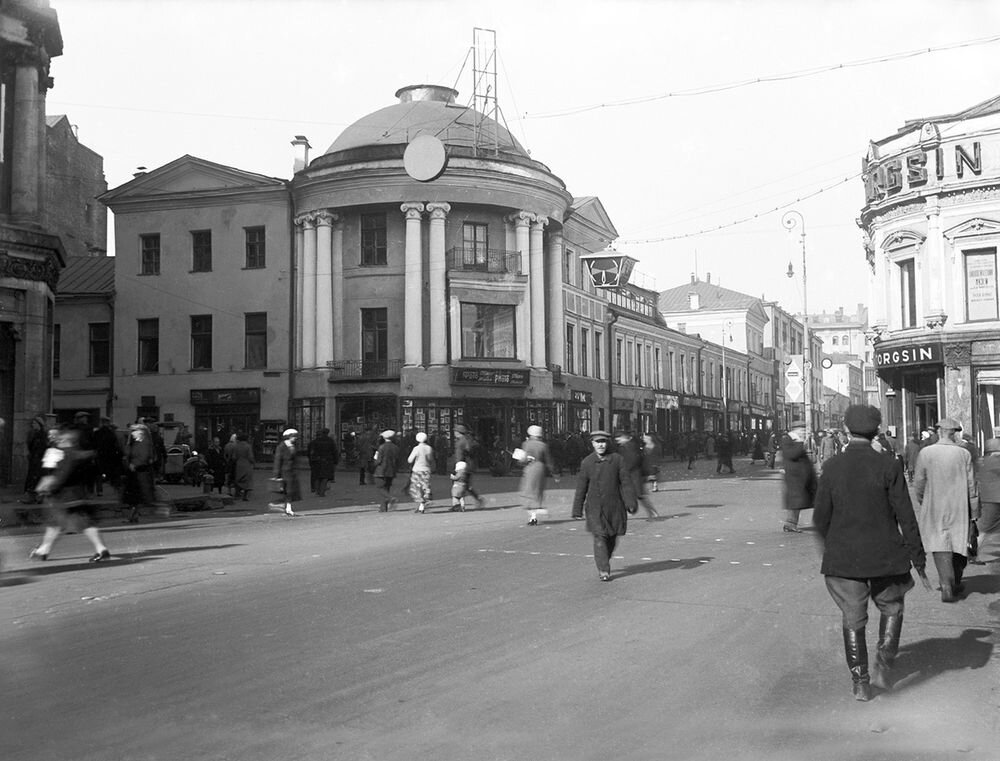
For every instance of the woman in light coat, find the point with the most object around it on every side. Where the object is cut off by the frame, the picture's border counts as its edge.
(421, 461)
(537, 467)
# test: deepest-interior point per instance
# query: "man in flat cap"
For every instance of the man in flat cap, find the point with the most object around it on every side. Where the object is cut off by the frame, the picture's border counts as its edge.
(605, 494)
(870, 539)
(945, 486)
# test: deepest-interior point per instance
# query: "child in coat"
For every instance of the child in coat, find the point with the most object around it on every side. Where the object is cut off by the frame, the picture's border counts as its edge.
(459, 487)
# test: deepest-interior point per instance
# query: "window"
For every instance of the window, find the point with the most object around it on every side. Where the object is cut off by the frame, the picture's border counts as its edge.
(374, 341)
(570, 333)
(201, 251)
(584, 334)
(100, 348)
(568, 266)
(373, 239)
(657, 368)
(908, 293)
(638, 365)
(56, 349)
(598, 367)
(475, 244)
(255, 340)
(843, 341)
(488, 331)
(256, 252)
(981, 284)
(619, 360)
(150, 254)
(149, 346)
(201, 342)
(834, 341)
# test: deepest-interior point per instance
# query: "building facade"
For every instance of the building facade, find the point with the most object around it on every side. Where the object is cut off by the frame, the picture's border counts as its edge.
(31, 254)
(931, 223)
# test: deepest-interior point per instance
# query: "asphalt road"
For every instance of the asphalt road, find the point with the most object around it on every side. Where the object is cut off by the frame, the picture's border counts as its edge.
(349, 634)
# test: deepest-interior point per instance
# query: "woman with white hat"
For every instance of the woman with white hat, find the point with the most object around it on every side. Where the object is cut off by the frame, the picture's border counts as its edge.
(284, 470)
(421, 461)
(538, 465)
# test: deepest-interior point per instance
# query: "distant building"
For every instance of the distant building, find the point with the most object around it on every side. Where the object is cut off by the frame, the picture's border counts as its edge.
(848, 334)
(784, 343)
(931, 222)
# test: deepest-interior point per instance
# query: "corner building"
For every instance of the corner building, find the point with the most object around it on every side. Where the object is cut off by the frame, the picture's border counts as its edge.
(931, 224)
(424, 303)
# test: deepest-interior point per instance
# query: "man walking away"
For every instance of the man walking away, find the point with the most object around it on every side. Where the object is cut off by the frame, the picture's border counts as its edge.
(869, 538)
(800, 477)
(386, 466)
(945, 487)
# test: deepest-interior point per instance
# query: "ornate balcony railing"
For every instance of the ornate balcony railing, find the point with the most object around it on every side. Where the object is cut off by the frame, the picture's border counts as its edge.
(490, 260)
(353, 369)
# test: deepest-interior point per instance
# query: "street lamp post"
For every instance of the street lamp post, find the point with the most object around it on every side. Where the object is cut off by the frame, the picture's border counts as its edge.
(725, 393)
(790, 220)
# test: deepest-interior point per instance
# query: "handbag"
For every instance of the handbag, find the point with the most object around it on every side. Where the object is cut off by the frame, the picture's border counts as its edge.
(519, 455)
(276, 485)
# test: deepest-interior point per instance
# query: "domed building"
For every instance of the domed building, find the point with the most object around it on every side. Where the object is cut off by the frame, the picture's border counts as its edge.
(429, 252)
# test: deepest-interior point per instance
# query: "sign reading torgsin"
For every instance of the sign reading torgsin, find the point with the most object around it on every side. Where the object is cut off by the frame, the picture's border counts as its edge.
(480, 376)
(919, 354)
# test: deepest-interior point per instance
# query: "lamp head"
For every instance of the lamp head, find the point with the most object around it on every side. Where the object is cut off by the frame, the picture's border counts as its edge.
(791, 270)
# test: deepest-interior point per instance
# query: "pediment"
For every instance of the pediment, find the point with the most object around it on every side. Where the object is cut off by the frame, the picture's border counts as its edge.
(903, 239)
(189, 174)
(972, 228)
(590, 212)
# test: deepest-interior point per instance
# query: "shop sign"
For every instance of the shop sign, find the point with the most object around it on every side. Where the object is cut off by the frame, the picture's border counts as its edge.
(918, 354)
(711, 405)
(947, 163)
(981, 285)
(667, 402)
(623, 404)
(648, 405)
(690, 401)
(201, 396)
(582, 397)
(488, 376)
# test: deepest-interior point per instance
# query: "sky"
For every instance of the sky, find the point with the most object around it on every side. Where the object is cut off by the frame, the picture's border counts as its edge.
(697, 124)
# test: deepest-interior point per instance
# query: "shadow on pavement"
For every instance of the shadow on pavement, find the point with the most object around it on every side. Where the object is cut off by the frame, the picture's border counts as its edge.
(117, 558)
(920, 661)
(684, 564)
(982, 585)
(705, 505)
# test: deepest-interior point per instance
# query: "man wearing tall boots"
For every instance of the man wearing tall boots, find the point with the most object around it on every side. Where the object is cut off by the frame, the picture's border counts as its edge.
(945, 485)
(870, 539)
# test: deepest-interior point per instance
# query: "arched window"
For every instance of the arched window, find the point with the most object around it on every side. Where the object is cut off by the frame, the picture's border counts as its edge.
(834, 341)
(843, 341)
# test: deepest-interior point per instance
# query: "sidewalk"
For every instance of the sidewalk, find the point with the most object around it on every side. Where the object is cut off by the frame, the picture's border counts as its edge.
(346, 493)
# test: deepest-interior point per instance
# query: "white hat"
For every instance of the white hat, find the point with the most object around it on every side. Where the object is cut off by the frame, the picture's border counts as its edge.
(460, 466)
(535, 430)
(421, 437)
(388, 434)
(289, 432)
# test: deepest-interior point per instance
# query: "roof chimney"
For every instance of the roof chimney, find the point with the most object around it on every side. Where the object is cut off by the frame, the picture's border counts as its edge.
(694, 278)
(438, 93)
(694, 301)
(708, 278)
(139, 171)
(301, 161)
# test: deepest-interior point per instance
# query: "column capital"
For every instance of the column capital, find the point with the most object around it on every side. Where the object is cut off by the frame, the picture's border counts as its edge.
(412, 209)
(439, 210)
(539, 221)
(521, 218)
(326, 218)
(306, 220)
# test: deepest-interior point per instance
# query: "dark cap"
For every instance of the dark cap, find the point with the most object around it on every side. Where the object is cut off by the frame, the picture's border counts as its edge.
(862, 419)
(599, 436)
(949, 424)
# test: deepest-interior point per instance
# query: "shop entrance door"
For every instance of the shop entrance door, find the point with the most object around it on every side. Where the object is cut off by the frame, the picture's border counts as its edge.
(925, 412)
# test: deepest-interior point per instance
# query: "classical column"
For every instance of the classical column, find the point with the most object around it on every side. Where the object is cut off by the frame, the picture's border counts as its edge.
(536, 281)
(299, 286)
(27, 154)
(309, 292)
(324, 287)
(337, 273)
(521, 221)
(437, 267)
(556, 323)
(413, 291)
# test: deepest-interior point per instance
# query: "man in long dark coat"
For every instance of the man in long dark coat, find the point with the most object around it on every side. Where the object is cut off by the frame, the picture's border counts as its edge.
(323, 459)
(606, 496)
(870, 540)
(800, 477)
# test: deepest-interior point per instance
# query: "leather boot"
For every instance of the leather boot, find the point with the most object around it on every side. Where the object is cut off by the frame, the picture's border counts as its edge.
(889, 628)
(856, 651)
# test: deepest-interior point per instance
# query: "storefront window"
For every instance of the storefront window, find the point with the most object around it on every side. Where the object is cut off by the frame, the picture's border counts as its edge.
(908, 293)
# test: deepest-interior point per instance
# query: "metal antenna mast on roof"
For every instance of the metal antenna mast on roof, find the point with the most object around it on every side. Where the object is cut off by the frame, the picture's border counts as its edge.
(484, 91)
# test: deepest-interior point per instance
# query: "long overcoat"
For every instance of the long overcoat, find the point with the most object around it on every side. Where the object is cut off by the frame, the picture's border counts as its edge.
(539, 466)
(604, 493)
(800, 476)
(284, 468)
(323, 457)
(864, 515)
(944, 484)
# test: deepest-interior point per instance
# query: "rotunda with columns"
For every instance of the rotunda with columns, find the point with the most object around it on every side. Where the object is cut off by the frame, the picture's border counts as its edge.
(426, 300)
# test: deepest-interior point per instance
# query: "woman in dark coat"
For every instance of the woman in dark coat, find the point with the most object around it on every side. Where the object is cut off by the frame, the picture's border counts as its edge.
(215, 459)
(284, 469)
(800, 477)
(323, 459)
(242, 466)
(605, 495)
